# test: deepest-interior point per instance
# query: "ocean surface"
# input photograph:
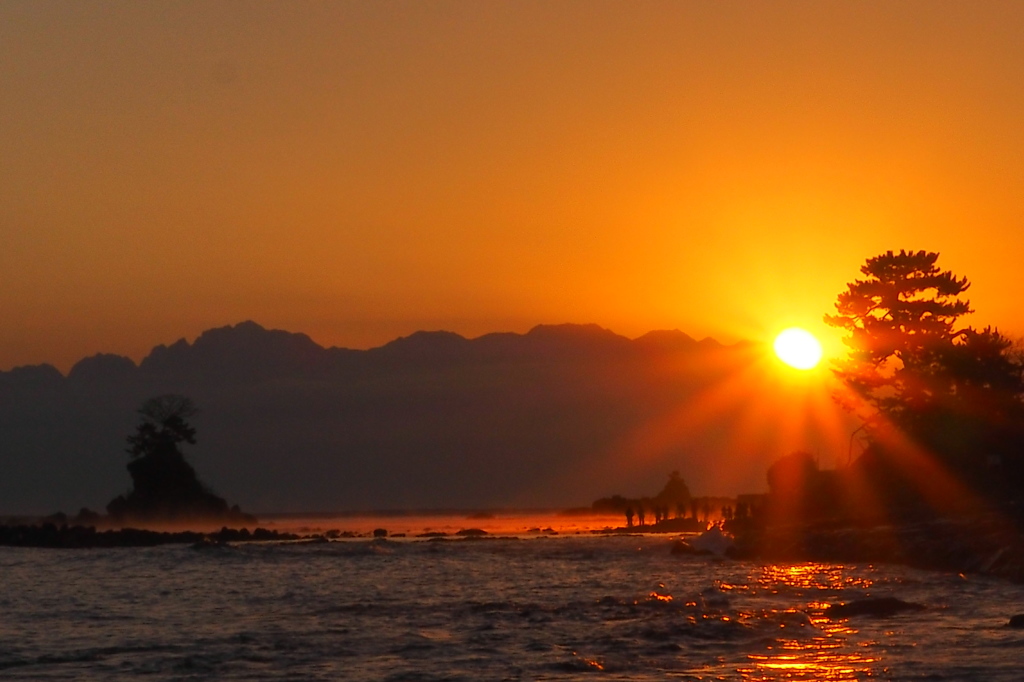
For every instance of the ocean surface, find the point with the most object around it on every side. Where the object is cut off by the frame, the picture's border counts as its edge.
(531, 605)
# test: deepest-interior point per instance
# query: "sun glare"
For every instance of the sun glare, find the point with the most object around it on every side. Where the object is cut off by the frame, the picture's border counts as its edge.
(798, 348)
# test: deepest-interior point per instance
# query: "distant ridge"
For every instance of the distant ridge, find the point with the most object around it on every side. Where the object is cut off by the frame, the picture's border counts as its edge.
(666, 340)
(546, 418)
(102, 367)
(240, 347)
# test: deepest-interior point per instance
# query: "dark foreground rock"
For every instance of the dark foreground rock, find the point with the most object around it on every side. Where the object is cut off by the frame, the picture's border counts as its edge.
(1017, 621)
(880, 607)
(50, 535)
(682, 546)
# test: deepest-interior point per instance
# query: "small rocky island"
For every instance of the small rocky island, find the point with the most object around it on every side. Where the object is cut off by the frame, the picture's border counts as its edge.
(166, 492)
(165, 487)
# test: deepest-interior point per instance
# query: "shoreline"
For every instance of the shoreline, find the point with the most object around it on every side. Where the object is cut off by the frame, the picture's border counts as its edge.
(988, 546)
(51, 536)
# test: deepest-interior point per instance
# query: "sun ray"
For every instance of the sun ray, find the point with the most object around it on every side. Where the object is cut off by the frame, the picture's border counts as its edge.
(756, 414)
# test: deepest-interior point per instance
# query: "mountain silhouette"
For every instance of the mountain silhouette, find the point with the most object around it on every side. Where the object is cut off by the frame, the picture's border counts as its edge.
(666, 341)
(102, 367)
(430, 420)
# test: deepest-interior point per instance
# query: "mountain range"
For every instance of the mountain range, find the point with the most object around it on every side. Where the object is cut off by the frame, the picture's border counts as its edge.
(555, 417)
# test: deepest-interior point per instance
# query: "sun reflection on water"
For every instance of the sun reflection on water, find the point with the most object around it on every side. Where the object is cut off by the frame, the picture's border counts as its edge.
(810, 576)
(808, 645)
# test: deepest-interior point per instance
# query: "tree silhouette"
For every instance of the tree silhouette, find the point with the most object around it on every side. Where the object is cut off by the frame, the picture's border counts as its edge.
(900, 324)
(163, 427)
(955, 391)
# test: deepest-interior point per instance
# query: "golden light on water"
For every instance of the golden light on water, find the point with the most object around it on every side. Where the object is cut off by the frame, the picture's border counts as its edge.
(802, 642)
(809, 577)
(798, 348)
(820, 650)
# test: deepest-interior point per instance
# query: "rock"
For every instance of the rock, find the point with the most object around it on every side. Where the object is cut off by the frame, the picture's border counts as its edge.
(471, 532)
(681, 546)
(207, 543)
(879, 607)
(713, 541)
(380, 532)
(262, 534)
(312, 540)
(1016, 621)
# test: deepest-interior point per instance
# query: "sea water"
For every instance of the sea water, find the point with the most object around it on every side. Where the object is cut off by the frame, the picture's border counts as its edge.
(532, 606)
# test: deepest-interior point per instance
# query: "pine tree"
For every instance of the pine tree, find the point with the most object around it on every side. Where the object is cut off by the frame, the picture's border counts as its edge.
(955, 391)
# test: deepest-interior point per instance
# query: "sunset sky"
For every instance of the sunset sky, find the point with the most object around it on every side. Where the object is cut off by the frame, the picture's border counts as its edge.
(358, 171)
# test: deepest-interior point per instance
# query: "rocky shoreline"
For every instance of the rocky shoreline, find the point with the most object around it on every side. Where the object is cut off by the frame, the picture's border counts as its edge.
(52, 535)
(988, 545)
(79, 537)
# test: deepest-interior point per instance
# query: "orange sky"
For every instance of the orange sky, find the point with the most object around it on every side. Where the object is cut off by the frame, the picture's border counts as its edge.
(358, 171)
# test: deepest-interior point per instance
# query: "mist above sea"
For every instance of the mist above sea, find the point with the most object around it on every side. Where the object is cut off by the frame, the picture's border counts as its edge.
(414, 523)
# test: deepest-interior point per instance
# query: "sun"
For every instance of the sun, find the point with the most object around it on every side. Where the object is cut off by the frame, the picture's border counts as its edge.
(798, 348)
